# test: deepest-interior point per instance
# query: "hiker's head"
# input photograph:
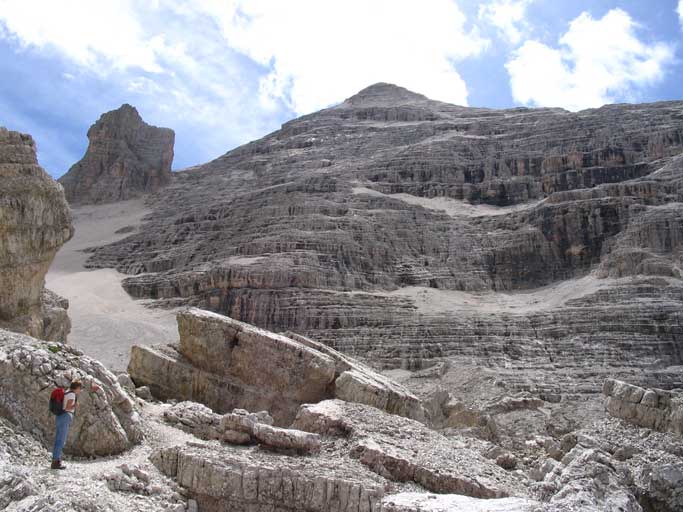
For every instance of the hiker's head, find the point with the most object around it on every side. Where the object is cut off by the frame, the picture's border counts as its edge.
(76, 386)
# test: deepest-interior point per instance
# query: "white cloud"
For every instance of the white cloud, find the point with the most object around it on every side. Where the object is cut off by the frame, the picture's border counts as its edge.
(507, 16)
(598, 61)
(321, 52)
(236, 67)
(85, 31)
(679, 10)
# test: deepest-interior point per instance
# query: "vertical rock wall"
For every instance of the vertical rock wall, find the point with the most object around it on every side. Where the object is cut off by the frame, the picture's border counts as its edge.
(34, 223)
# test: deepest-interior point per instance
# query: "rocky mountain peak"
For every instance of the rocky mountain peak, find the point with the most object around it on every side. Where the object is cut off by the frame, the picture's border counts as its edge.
(384, 94)
(126, 157)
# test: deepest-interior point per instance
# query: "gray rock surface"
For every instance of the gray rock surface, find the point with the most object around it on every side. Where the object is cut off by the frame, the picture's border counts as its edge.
(357, 382)
(242, 428)
(219, 479)
(107, 421)
(258, 369)
(34, 223)
(404, 450)
(262, 371)
(410, 231)
(651, 408)
(125, 158)
(336, 478)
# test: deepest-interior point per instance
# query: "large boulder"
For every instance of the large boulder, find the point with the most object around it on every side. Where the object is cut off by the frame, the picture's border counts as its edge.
(226, 364)
(106, 421)
(260, 370)
(34, 223)
(125, 158)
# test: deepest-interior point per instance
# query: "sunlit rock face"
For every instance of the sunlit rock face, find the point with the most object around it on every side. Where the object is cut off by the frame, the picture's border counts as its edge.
(125, 158)
(34, 223)
(407, 230)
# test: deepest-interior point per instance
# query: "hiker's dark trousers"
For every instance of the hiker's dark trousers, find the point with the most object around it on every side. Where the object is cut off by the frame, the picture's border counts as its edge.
(63, 422)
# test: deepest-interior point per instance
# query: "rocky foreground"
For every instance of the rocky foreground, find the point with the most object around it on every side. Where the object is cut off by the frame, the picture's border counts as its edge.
(342, 451)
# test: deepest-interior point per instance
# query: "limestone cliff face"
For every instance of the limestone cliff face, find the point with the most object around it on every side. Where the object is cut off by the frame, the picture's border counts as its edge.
(126, 157)
(406, 230)
(34, 223)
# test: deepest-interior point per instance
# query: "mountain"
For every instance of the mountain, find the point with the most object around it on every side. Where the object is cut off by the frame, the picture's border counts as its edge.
(125, 158)
(538, 245)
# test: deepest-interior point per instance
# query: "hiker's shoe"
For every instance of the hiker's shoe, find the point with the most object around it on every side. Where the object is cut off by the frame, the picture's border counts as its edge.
(57, 464)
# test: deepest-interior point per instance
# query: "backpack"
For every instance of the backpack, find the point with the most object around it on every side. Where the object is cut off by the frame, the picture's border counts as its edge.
(57, 401)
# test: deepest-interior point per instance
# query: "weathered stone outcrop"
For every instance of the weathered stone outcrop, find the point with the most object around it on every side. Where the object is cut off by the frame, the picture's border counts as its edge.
(107, 421)
(589, 480)
(125, 158)
(340, 476)
(226, 364)
(225, 480)
(404, 450)
(650, 408)
(34, 223)
(241, 427)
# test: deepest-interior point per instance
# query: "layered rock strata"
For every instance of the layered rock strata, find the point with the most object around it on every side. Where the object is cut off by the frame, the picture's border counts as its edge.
(409, 231)
(34, 223)
(651, 408)
(226, 364)
(125, 158)
(223, 480)
(107, 421)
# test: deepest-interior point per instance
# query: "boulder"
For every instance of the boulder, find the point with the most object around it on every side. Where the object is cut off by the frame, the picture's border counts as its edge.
(241, 427)
(326, 418)
(650, 408)
(226, 364)
(35, 222)
(286, 439)
(125, 158)
(106, 421)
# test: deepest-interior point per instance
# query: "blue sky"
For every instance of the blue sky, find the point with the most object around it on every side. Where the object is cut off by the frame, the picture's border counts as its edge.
(224, 72)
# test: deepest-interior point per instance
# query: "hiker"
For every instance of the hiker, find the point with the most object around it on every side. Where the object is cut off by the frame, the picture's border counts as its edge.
(63, 419)
(64, 407)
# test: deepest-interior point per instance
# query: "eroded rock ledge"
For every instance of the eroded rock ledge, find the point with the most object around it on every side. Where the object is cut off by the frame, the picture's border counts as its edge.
(651, 408)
